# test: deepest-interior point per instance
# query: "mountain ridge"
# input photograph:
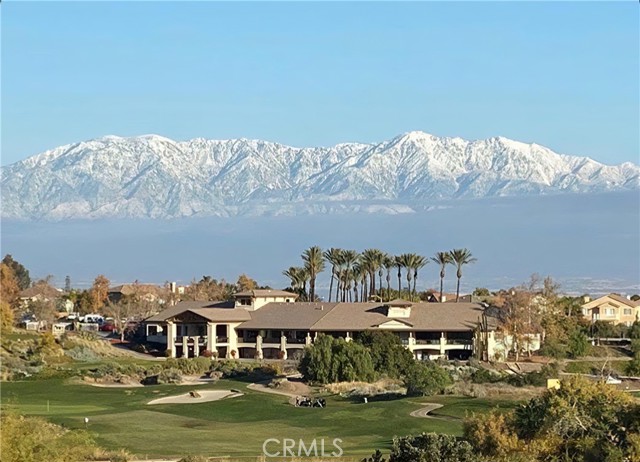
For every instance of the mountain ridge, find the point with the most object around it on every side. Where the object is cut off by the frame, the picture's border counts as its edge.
(152, 176)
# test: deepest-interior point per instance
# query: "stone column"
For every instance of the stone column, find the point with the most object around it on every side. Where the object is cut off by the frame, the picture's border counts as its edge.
(307, 340)
(171, 338)
(259, 346)
(185, 346)
(196, 346)
(283, 345)
(443, 342)
(211, 337)
(232, 336)
(348, 337)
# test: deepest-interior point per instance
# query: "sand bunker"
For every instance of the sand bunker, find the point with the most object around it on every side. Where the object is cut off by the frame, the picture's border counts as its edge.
(203, 396)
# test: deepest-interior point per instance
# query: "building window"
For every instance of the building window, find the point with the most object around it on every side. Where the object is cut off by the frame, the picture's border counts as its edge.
(628, 312)
(609, 311)
(245, 301)
(153, 330)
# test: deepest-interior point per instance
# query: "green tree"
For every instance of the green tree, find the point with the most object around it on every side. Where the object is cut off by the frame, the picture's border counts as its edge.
(335, 360)
(442, 259)
(425, 378)
(298, 277)
(481, 292)
(578, 344)
(387, 353)
(388, 263)
(314, 265)
(459, 258)
(431, 447)
(332, 256)
(20, 272)
(399, 265)
(582, 420)
(316, 363)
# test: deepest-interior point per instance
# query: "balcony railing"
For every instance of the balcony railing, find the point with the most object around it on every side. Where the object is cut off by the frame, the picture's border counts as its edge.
(271, 340)
(221, 339)
(428, 341)
(296, 340)
(459, 341)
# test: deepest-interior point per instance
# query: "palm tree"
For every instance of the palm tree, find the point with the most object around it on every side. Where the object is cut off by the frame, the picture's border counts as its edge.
(388, 262)
(298, 277)
(314, 264)
(350, 258)
(381, 267)
(372, 260)
(333, 258)
(460, 257)
(418, 262)
(443, 259)
(399, 265)
(407, 260)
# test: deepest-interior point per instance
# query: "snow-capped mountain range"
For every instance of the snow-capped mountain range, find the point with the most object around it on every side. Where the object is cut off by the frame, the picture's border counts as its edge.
(156, 177)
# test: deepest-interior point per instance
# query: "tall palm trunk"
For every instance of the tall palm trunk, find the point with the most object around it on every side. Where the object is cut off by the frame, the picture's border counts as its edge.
(458, 286)
(333, 272)
(399, 282)
(441, 284)
(388, 286)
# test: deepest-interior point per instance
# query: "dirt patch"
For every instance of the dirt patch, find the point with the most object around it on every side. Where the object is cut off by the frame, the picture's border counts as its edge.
(202, 396)
(285, 387)
(381, 387)
(101, 383)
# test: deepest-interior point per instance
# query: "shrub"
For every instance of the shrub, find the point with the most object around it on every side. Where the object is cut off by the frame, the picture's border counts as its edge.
(82, 353)
(190, 366)
(485, 376)
(490, 434)
(431, 447)
(425, 378)
(171, 375)
(194, 459)
(578, 344)
(554, 349)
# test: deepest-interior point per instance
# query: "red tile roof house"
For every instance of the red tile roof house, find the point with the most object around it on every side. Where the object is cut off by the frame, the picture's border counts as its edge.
(271, 324)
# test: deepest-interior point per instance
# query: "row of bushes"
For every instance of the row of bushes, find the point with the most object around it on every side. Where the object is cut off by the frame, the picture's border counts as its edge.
(173, 369)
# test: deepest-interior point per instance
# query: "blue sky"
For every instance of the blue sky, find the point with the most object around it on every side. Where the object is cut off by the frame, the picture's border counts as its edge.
(565, 75)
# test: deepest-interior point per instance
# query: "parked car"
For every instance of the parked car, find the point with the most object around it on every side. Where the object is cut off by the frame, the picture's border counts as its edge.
(107, 327)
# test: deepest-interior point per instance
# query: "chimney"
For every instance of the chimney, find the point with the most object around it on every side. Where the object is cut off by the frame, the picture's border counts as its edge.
(444, 298)
(172, 287)
(586, 299)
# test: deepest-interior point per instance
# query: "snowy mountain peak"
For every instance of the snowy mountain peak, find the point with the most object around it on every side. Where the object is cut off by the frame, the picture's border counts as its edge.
(154, 176)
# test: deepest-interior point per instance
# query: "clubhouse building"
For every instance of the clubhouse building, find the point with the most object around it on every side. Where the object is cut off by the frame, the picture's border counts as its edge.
(271, 324)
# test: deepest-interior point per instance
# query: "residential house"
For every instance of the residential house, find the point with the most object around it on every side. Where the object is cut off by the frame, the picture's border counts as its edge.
(146, 292)
(613, 308)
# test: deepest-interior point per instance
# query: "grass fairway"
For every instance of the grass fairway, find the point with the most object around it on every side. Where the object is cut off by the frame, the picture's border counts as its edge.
(120, 417)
